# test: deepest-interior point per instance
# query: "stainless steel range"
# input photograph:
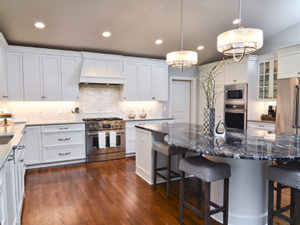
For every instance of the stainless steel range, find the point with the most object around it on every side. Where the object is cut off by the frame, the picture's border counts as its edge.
(99, 135)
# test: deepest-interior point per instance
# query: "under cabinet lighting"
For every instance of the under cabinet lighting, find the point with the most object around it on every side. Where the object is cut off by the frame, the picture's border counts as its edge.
(39, 25)
(106, 34)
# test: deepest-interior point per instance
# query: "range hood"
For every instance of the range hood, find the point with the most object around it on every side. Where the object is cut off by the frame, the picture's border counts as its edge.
(102, 69)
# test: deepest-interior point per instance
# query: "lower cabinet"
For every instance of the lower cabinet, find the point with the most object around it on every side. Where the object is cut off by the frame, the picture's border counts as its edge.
(261, 125)
(131, 132)
(3, 208)
(55, 143)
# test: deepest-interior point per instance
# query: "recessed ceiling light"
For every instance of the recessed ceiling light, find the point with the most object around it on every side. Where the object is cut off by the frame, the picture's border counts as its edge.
(106, 34)
(158, 41)
(236, 21)
(39, 25)
(200, 47)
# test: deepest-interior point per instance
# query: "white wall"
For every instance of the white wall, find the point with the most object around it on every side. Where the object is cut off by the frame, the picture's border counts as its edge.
(290, 36)
(95, 101)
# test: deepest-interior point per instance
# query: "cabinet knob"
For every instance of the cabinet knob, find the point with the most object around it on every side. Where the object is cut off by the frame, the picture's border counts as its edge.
(153, 98)
(124, 97)
(43, 97)
(5, 96)
(234, 81)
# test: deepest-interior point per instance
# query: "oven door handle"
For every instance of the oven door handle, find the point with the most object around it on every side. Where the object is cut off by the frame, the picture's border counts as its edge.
(107, 132)
(235, 111)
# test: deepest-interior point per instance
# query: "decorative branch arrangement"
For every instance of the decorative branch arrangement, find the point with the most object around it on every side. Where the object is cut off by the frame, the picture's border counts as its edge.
(208, 82)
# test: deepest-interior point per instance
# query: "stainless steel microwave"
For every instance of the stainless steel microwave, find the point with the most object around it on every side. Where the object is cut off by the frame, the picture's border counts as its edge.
(236, 93)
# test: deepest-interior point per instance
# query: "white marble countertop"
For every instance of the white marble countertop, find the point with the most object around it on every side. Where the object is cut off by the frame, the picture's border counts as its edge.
(15, 130)
(148, 119)
(52, 122)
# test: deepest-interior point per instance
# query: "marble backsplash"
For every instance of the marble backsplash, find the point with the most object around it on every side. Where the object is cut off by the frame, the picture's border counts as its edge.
(95, 101)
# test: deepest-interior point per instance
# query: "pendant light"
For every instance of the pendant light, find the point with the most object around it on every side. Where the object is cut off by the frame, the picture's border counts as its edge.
(241, 41)
(182, 59)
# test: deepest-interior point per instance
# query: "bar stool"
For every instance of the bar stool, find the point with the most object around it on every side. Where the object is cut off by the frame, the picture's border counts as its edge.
(169, 151)
(288, 175)
(207, 171)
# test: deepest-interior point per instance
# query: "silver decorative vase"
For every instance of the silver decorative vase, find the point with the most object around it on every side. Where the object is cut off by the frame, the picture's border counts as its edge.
(209, 121)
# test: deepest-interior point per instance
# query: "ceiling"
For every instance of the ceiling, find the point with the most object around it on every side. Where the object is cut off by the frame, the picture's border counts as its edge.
(136, 24)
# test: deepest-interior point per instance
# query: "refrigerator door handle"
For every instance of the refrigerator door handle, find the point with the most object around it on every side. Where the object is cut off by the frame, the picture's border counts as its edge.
(296, 107)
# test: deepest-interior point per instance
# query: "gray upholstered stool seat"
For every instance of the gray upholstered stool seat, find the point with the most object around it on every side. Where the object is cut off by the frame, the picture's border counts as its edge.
(205, 169)
(166, 149)
(287, 174)
(169, 151)
(284, 174)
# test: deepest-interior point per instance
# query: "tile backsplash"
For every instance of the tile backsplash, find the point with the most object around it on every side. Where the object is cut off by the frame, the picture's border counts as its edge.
(95, 101)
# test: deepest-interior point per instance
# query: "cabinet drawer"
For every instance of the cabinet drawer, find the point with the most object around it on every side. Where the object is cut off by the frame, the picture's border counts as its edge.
(261, 126)
(56, 154)
(63, 138)
(63, 128)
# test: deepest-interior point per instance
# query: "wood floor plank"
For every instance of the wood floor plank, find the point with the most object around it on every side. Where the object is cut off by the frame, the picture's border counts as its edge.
(101, 193)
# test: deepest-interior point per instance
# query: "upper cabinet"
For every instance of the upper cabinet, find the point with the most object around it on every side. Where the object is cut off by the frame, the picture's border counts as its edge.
(14, 76)
(267, 77)
(32, 72)
(145, 79)
(289, 62)
(35, 74)
(236, 72)
(70, 69)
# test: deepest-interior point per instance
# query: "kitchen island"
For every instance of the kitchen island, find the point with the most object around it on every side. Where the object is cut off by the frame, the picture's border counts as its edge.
(248, 152)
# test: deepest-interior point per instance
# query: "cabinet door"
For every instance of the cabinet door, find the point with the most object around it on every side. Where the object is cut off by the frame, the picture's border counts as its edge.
(32, 69)
(130, 87)
(159, 83)
(14, 75)
(33, 145)
(70, 78)
(3, 80)
(51, 77)
(114, 68)
(236, 73)
(3, 207)
(144, 82)
(288, 65)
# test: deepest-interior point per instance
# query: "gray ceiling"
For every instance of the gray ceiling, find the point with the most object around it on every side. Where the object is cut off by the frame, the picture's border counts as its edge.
(136, 24)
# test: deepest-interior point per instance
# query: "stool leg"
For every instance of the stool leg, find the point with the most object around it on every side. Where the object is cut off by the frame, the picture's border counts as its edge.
(168, 175)
(225, 201)
(270, 202)
(154, 169)
(182, 177)
(207, 203)
(292, 206)
(278, 198)
(200, 195)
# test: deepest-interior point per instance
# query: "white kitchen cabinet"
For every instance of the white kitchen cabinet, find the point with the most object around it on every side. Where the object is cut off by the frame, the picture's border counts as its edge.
(70, 77)
(131, 72)
(14, 76)
(10, 190)
(3, 79)
(33, 145)
(131, 132)
(236, 72)
(261, 125)
(160, 82)
(144, 154)
(145, 82)
(289, 65)
(51, 77)
(32, 71)
(3, 208)
(267, 77)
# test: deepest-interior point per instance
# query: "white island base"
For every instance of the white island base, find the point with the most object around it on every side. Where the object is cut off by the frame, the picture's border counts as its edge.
(248, 192)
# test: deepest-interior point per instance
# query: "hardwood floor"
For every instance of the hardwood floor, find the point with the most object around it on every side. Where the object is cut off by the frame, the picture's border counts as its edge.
(100, 193)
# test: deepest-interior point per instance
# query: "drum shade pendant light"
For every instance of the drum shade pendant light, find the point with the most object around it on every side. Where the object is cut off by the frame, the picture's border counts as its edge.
(182, 59)
(241, 41)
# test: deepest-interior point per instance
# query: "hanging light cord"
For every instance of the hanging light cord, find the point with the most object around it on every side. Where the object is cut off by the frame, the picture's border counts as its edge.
(240, 13)
(181, 21)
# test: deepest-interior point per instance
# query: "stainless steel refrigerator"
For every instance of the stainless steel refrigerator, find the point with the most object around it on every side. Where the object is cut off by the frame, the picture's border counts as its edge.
(288, 106)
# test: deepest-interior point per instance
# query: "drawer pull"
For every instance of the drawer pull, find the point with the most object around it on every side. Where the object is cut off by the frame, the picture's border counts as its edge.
(22, 160)
(5, 96)
(21, 147)
(63, 128)
(260, 125)
(64, 139)
(62, 154)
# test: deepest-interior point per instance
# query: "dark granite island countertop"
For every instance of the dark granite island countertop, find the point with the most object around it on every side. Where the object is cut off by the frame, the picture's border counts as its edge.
(249, 153)
(250, 144)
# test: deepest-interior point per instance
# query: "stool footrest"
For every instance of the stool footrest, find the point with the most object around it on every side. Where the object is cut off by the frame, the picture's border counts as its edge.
(194, 195)
(283, 209)
(173, 174)
(281, 216)
(191, 207)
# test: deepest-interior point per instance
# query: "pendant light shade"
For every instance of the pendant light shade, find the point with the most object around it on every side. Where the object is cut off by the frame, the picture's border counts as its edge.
(182, 59)
(241, 41)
